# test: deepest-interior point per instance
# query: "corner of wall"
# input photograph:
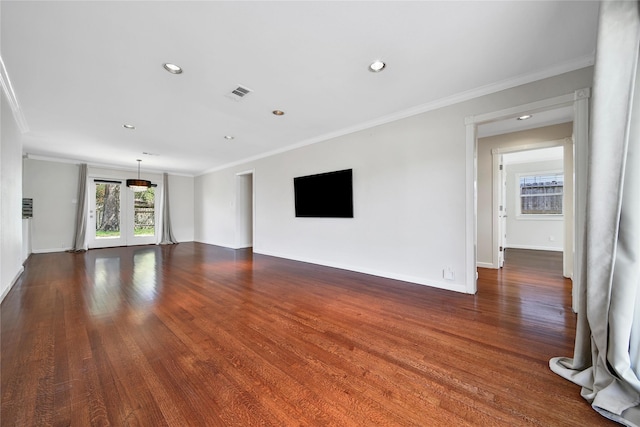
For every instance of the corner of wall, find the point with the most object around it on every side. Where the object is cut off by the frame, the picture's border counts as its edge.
(6, 291)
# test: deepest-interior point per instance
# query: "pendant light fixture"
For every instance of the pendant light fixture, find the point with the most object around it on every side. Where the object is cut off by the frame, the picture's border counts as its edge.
(138, 184)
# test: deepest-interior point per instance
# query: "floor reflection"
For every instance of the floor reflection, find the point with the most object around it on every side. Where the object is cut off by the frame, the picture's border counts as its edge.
(105, 293)
(145, 278)
(128, 279)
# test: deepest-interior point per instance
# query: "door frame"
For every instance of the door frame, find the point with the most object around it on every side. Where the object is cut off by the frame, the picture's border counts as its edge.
(501, 212)
(245, 209)
(579, 99)
(127, 236)
(567, 200)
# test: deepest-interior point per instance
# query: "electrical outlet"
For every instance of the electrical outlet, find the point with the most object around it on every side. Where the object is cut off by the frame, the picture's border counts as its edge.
(448, 273)
(552, 238)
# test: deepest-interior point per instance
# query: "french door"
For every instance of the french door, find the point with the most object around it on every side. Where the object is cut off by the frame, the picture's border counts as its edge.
(119, 216)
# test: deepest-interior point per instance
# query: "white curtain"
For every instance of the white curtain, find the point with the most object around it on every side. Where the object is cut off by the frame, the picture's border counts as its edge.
(166, 234)
(80, 235)
(606, 360)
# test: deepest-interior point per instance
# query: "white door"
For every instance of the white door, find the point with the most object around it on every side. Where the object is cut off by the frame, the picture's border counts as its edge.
(502, 214)
(119, 216)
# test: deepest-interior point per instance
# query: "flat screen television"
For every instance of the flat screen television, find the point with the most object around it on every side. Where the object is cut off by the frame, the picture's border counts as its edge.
(325, 195)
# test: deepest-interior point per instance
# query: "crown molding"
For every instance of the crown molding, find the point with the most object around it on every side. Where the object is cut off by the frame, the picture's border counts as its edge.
(566, 67)
(7, 88)
(98, 165)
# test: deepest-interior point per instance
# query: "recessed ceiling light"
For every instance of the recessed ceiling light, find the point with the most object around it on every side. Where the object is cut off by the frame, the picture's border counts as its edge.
(172, 68)
(229, 137)
(278, 112)
(377, 66)
(525, 117)
(128, 126)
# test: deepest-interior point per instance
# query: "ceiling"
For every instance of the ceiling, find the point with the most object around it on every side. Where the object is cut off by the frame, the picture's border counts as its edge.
(536, 155)
(82, 69)
(543, 118)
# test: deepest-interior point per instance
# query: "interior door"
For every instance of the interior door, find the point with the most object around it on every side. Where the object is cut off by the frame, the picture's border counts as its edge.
(106, 204)
(502, 214)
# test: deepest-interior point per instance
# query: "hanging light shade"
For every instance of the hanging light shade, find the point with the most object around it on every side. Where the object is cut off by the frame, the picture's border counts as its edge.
(138, 184)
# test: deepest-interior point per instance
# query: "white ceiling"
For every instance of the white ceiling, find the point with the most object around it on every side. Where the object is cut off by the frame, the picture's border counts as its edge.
(538, 119)
(537, 155)
(82, 69)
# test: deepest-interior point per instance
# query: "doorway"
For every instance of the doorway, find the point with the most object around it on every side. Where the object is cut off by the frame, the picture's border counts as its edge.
(119, 216)
(244, 209)
(495, 212)
(531, 212)
(579, 100)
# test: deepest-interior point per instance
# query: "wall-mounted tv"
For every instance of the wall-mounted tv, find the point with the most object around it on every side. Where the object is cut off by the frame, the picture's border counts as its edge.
(325, 195)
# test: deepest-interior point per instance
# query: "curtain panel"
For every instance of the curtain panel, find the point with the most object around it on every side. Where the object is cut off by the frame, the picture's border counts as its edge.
(80, 234)
(606, 360)
(166, 233)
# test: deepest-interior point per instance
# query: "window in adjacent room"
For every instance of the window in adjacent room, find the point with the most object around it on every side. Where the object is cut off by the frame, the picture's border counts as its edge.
(541, 194)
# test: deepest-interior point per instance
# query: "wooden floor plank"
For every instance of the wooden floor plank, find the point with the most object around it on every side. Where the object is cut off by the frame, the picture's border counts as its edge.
(194, 334)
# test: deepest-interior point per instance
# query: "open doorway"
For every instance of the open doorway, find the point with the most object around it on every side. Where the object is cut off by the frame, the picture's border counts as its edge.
(244, 210)
(498, 202)
(531, 213)
(579, 100)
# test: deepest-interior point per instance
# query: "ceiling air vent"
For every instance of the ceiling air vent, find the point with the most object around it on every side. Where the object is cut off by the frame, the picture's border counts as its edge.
(238, 93)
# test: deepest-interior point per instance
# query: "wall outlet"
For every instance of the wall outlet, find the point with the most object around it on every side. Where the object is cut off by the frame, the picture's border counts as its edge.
(552, 238)
(448, 273)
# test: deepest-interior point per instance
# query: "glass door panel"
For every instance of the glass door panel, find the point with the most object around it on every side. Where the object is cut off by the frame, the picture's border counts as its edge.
(105, 215)
(107, 211)
(144, 217)
(144, 213)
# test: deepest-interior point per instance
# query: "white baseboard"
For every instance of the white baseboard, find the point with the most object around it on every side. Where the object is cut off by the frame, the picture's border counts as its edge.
(241, 246)
(535, 248)
(222, 244)
(450, 286)
(50, 250)
(486, 265)
(13, 282)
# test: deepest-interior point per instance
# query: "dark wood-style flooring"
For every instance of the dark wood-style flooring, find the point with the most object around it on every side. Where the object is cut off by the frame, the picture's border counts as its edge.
(194, 334)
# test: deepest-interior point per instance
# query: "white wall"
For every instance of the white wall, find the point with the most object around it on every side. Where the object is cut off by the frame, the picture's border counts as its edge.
(26, 238)
(181, 204)
(485, 176)
(215, 208)
(409, 193)
(524, 232)
(10, 199)
(54, 187)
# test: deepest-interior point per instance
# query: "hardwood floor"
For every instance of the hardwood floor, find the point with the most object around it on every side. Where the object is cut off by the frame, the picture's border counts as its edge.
(193, 334)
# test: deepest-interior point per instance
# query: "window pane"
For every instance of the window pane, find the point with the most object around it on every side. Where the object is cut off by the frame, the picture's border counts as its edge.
(107, 211)
(541, 194)
(144, 213)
